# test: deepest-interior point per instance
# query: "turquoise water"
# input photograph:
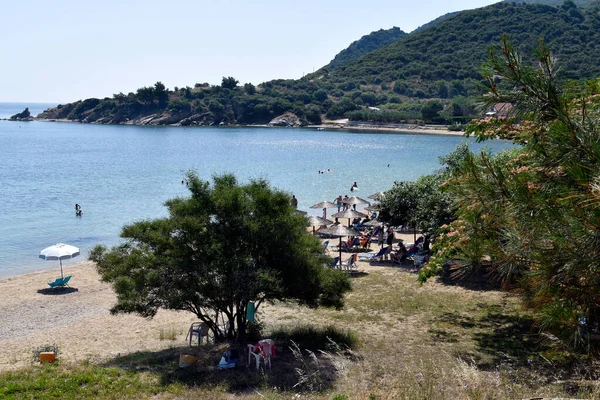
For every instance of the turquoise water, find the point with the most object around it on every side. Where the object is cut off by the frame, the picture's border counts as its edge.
(120, 174)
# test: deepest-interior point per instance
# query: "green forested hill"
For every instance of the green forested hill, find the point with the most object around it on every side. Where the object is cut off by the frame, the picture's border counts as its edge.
(366, 44)
(431, 75)
(456, 47)
(435, 22)
(579, 3)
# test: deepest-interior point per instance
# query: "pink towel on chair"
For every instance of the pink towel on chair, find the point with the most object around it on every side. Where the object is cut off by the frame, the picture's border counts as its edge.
(267, 348)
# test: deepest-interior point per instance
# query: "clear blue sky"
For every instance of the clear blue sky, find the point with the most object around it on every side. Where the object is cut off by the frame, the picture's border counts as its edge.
(63, 51)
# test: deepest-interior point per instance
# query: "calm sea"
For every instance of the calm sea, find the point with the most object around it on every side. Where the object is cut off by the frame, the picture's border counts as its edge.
(121, 174)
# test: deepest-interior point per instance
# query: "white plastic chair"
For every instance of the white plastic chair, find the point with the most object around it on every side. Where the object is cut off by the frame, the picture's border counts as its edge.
(263, 350)
(200, 329)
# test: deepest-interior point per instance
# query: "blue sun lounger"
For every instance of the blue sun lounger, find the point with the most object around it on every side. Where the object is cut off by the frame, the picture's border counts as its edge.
(60, 282)
(374, 256)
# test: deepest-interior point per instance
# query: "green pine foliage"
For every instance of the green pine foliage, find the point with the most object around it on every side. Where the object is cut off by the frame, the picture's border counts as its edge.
(530, 218)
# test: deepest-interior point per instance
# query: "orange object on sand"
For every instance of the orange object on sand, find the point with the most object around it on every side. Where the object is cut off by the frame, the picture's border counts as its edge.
(47, 357)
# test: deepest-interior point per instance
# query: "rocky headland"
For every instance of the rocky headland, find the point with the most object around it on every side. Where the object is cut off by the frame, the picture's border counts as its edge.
(25, 115)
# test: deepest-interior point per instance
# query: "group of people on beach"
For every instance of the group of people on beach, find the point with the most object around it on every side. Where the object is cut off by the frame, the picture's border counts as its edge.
(394, 252)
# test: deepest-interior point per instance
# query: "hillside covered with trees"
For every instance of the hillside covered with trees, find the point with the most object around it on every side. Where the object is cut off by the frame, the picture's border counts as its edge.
(432, 75)
(366, 44)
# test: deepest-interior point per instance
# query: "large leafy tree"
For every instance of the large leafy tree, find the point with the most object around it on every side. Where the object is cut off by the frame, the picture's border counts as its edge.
(224, 246)
(536, 211)
(422, 205)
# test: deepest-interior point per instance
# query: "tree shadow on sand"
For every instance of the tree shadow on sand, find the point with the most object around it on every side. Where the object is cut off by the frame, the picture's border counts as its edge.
(358, 274)
(322, 368)
(58, 291)
(506, 337)
(479, 280)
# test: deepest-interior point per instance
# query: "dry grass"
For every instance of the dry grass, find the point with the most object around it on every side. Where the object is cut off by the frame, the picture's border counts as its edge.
(438, 342)
(414, 342)
(169, 333)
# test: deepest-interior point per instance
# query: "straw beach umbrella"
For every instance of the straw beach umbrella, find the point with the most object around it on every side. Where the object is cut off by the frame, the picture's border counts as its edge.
(59, 251)
(349, 214)
(376, 196)
(315, 221)
(354, 200)
(339, 230)
(324, 205)
(373, 223)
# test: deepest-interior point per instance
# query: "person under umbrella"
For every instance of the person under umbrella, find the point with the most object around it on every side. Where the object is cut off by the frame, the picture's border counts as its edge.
(350, 214)
(340, 230)
(354, 200)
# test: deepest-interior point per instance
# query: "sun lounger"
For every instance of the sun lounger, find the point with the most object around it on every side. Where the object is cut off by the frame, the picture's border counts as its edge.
(349, 247)
(374, 256)
(60, 282)
(335, 262)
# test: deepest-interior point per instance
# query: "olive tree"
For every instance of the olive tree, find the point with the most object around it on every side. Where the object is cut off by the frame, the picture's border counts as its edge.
(222, 247)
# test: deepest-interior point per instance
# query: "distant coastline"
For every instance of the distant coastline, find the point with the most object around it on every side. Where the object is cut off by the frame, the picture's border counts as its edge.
(344, 125)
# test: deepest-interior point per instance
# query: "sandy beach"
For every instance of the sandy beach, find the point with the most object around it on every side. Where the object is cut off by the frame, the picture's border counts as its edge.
(334, 125)
(78, 320)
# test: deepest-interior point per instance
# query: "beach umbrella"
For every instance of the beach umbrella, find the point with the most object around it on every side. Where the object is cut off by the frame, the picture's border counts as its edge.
(349, 214)
(324, 205)
(339, 230)
(354, 200)
(374, 207)
(315, 221)
(59, 251)
(376, 196)
(301, 212)
(373, 222)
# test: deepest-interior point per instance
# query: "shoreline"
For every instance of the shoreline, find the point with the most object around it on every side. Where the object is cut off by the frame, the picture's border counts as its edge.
(330, 126)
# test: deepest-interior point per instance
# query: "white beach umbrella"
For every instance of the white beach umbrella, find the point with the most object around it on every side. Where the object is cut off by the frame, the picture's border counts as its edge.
(59, 251)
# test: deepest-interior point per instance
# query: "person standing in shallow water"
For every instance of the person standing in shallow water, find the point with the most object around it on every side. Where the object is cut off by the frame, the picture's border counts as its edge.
(338, 202)
(294, 201)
